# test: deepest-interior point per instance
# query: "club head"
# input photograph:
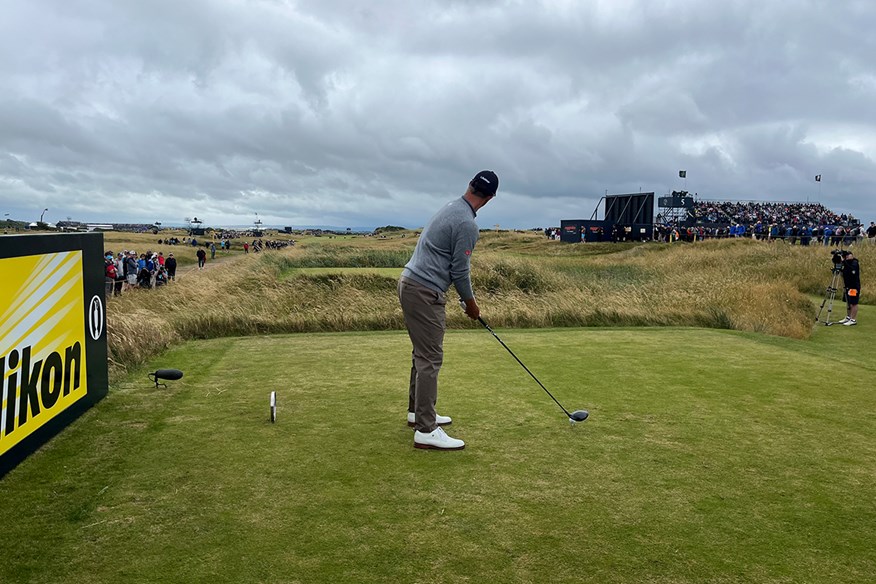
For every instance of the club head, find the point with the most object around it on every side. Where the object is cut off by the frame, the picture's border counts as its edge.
(578, 416)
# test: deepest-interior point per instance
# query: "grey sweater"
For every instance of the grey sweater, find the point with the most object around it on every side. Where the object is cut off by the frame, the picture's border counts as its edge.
(443, 253)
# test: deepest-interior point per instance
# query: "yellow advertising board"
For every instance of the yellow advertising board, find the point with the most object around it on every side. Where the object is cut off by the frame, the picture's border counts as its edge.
(49, 320)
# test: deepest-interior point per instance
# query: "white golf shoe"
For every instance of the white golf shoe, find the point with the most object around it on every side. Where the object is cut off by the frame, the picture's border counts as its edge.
(844, 321)
(439, 419)
(850, 322)
(438, 440)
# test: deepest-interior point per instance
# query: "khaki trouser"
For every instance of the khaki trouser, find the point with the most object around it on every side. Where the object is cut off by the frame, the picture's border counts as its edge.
(424, 313)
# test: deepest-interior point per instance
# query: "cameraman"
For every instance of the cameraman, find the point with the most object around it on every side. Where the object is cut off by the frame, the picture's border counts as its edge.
(852, 282)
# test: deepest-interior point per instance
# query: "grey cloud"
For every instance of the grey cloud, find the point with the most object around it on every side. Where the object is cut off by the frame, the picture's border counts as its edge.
(332, 111)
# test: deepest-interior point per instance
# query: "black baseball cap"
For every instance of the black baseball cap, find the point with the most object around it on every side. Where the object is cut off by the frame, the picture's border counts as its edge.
(485, 183)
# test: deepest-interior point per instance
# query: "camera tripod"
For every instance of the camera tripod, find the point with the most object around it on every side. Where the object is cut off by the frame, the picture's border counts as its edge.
(829, 295)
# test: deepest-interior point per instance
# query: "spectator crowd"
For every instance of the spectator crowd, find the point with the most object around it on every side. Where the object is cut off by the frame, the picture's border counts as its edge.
(127, 270)
(835, 235)
(258, 245)
(768, 213)
(795, 223)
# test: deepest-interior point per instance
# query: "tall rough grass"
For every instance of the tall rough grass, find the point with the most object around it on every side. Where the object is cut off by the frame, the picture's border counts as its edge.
(342, 257)
(742, 285)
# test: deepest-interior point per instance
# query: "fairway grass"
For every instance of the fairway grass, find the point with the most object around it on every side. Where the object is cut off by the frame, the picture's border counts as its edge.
(710, 456)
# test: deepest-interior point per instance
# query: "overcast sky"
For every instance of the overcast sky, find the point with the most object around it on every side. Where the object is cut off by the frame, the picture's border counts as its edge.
(362, 114)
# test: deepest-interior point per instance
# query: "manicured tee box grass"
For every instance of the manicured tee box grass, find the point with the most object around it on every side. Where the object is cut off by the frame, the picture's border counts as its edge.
(709, 456)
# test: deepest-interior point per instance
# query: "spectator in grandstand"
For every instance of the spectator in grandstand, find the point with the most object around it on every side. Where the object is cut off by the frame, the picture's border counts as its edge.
(857, 234)
(828, 234)
(758, 230)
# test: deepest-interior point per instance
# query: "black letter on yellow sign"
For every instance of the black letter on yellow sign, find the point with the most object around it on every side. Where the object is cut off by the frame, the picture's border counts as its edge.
(29, 380)
(11, 386)
(50, 385)
(73, 353)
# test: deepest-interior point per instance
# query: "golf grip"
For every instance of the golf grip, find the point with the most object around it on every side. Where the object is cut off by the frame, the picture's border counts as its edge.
(486, 326)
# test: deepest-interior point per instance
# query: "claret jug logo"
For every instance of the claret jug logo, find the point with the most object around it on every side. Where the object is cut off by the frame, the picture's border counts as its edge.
(42, 341)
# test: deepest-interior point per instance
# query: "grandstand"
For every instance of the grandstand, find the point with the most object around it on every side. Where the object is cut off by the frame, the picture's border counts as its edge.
(688, 218)
(766, 212)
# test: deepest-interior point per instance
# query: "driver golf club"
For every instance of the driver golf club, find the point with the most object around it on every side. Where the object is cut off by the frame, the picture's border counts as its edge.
(576, 416)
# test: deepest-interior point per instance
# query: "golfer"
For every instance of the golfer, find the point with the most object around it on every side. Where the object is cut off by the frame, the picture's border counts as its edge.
(442, 257)
(852, 282)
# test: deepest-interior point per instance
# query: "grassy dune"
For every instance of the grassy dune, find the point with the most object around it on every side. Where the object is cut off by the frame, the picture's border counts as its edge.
(521, 280)
(117, 241)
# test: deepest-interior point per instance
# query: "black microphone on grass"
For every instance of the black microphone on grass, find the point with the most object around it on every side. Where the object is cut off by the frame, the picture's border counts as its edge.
(168, 374)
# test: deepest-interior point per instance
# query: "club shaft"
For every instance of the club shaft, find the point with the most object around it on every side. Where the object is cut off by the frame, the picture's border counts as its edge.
(492, 332)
